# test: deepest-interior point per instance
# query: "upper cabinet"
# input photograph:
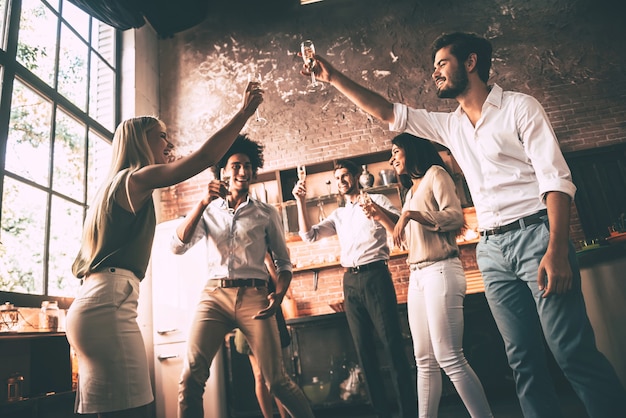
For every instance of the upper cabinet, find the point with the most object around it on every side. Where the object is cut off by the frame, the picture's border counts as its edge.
(600, 177)
(322, 196)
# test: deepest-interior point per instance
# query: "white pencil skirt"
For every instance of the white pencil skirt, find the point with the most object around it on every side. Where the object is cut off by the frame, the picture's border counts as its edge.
(102, 328)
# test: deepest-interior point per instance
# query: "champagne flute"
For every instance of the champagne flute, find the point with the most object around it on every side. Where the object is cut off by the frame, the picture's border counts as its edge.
(301, 173)
(365, 200)
(225, 179)
(224, 176)
(258, 119)
(307, 48)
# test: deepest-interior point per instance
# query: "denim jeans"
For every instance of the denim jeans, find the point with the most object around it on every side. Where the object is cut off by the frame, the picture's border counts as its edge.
(435, 304)
(219, 312)
(371, 306)
(509, 264)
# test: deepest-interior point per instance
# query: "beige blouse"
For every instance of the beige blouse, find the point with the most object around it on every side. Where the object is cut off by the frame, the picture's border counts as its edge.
(438, 202)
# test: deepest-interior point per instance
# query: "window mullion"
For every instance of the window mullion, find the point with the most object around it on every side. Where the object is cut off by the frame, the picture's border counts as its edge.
(71, 126)
(12, 30)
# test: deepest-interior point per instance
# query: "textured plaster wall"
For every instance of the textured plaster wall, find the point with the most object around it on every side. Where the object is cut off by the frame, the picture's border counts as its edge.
(384, 45)
(569, 54)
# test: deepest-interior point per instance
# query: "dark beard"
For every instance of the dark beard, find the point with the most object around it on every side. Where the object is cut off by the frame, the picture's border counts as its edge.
(457, 85)
(354, 189)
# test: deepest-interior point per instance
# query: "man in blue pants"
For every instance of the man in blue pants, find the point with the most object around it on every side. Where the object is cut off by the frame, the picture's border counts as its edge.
(522, 190)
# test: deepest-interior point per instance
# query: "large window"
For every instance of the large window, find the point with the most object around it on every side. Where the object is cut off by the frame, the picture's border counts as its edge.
(58, 109)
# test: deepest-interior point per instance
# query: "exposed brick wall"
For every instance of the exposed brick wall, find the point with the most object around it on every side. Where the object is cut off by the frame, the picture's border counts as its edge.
(568, 54)
(587, 115)
(330, 279)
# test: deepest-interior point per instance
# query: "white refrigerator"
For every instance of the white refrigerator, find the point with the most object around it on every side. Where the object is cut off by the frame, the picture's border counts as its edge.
(177, 281)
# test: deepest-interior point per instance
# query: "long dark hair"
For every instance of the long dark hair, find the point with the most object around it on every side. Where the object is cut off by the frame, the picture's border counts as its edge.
(420, 155)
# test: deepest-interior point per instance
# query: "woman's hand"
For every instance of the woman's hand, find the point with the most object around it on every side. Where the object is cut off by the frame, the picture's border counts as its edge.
(252, 98)
(398, 230)
(370, 209)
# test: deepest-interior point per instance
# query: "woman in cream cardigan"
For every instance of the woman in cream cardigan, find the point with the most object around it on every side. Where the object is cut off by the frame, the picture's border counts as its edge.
(431, 219)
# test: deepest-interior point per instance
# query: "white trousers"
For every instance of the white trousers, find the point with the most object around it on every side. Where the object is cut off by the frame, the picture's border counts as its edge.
(435, 310)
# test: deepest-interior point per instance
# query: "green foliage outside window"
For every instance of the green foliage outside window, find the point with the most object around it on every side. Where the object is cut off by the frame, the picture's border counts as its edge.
(61, 117)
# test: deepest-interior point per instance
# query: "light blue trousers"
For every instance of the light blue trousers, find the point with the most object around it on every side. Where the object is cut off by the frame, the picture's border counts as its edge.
(509, 264)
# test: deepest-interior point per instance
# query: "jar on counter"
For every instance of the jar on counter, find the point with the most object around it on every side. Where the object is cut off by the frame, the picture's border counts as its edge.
(9, 317)
(49, 316)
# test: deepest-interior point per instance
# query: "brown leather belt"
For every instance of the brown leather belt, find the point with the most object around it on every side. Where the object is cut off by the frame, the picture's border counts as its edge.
(535, 218)
(365, 267)
(237, 283)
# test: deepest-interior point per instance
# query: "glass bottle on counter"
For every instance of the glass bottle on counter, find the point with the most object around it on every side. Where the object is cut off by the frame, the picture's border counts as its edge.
(321, 215)
(49, 316)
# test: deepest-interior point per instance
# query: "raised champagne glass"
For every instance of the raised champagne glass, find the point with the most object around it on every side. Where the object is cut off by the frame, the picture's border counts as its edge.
(307, 48)
(301, 172)
(225, 179)
(321, 214)
(365, 200)
(257, 116)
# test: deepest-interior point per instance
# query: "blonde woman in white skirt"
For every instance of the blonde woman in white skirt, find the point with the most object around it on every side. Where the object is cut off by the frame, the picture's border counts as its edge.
(118, 232)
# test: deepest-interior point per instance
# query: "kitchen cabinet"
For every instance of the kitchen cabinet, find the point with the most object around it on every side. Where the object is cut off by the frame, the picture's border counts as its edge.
(604, 290)
(324, 343)
(43, 359)
(177, 282)
(240, 394)
(322, 350)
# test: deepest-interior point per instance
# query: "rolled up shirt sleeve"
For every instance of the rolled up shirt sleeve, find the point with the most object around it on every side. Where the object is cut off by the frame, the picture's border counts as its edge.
(543, 150)
(400, 113)
(277, 243)
(179, 247)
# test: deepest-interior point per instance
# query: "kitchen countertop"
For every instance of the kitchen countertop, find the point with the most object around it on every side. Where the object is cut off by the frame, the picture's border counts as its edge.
(471, 303)
(9, 335)
(605, 252)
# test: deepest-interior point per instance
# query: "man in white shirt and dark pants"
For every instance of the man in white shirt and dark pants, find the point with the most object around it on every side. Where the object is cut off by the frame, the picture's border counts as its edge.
(370, 300)
(522, 189)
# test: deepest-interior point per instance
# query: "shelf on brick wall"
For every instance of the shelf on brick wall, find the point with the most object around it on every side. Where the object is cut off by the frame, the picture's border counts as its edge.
(394, 254)
(276, 187)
